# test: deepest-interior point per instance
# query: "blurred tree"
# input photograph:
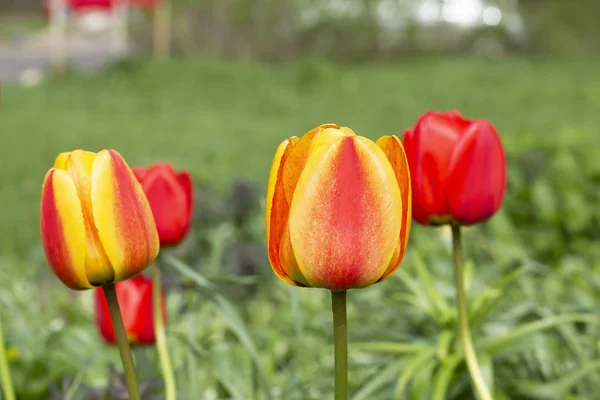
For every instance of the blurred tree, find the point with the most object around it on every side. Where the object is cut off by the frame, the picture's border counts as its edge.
(562, 28)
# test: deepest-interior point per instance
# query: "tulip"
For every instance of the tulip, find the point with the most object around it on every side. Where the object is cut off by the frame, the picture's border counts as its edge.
(171, 200)
(97, 229)
(338, 209)
(135, 300)
(458, 172)
(458, 169)
(96, 223)
(338, 217)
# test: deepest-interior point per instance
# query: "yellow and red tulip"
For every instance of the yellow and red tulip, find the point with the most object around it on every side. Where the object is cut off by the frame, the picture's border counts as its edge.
(338, 209)
(96, 223)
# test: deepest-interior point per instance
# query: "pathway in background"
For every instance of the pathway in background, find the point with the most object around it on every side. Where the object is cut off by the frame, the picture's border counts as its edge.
(24, 59)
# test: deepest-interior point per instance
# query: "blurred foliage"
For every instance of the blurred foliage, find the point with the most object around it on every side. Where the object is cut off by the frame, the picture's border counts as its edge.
(236, 332)
(276, 30)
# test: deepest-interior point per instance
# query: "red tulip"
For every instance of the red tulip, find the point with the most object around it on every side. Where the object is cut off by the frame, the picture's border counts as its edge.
(458, 169)
(171, 199)
(135, 301)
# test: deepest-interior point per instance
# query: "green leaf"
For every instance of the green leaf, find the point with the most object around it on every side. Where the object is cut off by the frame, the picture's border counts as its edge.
(384, 377)
(410, 369)
(558, 389)
(468, 268)
(502, 343)
(439, 303)
(421, 300)
(391, 347)
(421, 384)
(444, 343)
(229, 315)
(487, 369)
(443, 377)
(482, 304)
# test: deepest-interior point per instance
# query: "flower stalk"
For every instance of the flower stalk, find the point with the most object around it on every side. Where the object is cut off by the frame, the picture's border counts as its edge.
(340, 335)
(122, 342)
(479, 384)
(161, 337)
(5, 379)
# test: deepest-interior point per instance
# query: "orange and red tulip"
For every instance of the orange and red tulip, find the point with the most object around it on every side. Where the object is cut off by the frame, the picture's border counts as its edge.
(171, 199)
(458, 169)
(135, 301)
(338, 209)
(96, 223)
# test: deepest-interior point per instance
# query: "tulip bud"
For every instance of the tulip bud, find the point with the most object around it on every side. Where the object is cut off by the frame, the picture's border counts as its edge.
(458, 169)
(171, 200)
(135, 302)
(338, 209)
(96, 224)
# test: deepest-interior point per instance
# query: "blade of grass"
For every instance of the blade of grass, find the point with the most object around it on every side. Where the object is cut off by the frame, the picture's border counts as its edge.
(496, 344)
(384, 377)
(443, 377)
(410, 368)
(559, 388)
(391, 347)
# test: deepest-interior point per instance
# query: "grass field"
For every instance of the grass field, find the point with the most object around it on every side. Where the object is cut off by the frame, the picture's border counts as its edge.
(223, 120)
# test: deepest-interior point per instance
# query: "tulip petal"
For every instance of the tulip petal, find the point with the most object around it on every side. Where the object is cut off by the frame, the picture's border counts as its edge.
(61, 160)
(98, 268)
(169, 203)
(428, 149)
(394, 151)
(122, 215)
(276, 219)
(62, 229)
(477, 174)
(296, 159)
(185, 181)
(346, 213)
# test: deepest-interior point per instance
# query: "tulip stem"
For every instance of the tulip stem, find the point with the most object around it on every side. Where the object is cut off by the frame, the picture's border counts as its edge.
(161, 337)
(340, 337)
(122, 341)
(481, 389)
(5, 380)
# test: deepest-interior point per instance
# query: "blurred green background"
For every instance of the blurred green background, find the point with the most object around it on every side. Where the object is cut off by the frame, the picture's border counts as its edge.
(244, 75)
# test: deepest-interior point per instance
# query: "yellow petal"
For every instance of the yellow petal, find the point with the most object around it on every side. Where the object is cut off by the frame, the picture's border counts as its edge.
(122, 216)
(63, 230)
(98, 267)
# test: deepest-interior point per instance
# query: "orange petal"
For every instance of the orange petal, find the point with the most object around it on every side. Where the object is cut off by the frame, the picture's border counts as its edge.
(277, 212)
(63, 230)
(346, 214)
(296, 160)
(394, 151)
(122, 215)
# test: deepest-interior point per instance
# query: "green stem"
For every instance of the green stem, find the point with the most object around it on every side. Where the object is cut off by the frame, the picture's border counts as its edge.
(7, 387)
(122, 341)
(340, 335)
(483, 392)
(161, 338)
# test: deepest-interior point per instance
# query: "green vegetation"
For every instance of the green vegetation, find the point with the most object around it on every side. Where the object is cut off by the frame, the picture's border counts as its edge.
(234, 330)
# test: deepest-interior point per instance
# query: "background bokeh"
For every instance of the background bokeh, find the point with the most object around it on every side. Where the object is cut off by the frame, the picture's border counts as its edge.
(242, 76)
